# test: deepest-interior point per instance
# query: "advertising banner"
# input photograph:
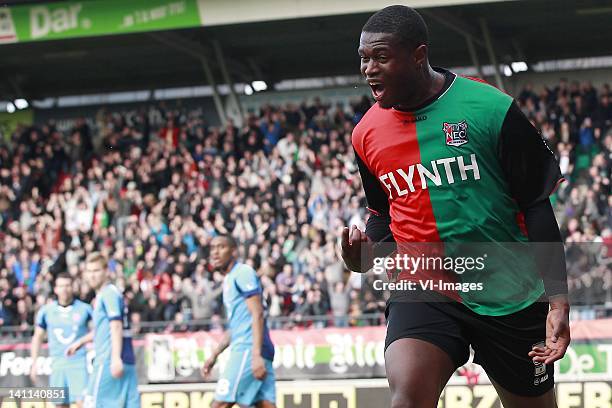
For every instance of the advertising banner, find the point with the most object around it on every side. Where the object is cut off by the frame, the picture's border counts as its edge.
(354, 394)
(72, 19)
(323, 353)
(313, 354)
(356, 352)
(15, 364)
(370, 393)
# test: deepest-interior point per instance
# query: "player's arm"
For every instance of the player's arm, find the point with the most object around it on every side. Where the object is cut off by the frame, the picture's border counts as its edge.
(377, 227)
(74, 347)
(206, 369)
(37, 339)
(116, 331)
(250, 289)
(542, 228)
(223, 344)
(88, 338)
(257, 315)
(113, 304)
(533, 174)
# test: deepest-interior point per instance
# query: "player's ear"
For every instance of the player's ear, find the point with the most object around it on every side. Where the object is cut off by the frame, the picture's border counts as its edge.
(420, 55)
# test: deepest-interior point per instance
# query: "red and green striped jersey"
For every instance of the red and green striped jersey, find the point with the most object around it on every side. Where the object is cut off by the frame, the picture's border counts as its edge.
(458, 170)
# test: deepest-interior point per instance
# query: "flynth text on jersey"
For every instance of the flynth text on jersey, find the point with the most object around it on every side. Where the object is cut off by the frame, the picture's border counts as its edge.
(434, 175)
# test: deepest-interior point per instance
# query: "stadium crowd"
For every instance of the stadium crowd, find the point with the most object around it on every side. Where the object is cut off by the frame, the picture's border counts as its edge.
(150, 187)
(576, 121)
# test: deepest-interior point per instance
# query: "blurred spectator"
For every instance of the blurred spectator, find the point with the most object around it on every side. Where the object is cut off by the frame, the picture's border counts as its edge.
(203, 296)
(340, 300)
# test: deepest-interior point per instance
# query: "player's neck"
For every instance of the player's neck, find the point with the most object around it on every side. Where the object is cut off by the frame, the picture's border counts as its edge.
(230, 266)
(66, 303)
(431, 84)
(106, 282)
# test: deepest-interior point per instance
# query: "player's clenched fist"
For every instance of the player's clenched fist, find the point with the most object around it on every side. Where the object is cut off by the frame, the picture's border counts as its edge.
(352, 243)
(206, 369)
(72, 349)
(259, 368)
(34, 374)
(116, 368)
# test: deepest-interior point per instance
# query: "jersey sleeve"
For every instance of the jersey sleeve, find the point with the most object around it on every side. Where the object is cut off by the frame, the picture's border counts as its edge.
(550, 258)
(378, 224)
(111, 300)
(41, 318)
(378, 203)
(247, 283)
(529, 165)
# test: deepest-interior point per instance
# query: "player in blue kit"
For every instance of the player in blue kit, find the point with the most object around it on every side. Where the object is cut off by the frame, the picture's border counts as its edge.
(248, 378)
(114, 382)
(65, 321)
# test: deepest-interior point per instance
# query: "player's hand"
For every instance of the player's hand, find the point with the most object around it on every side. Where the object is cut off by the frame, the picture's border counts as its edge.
(116, 368)
(34, 374)
(206, 369)
(351, 244)
(557, 334)
(72, 349)
(258, 367)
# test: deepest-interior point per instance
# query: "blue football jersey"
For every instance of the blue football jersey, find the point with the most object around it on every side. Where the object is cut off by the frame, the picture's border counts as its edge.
(239, 284)
(64, 325)
(111, 306)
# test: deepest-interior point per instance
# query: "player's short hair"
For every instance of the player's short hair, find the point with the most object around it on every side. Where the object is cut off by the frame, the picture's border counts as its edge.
(63, 275)
(403, 22)
(229, 239)
(96, 257)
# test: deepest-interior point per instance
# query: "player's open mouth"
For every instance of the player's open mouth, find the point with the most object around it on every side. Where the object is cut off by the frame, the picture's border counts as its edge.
(378, 90)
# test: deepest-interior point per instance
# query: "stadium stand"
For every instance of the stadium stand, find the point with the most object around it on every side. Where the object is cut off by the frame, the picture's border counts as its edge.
(151, 186)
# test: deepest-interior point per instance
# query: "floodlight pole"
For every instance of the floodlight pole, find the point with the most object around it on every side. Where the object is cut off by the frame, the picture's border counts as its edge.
(489, 45)
(216, 98)
(199, 53)
(454, 23)
(14, 83)
(227, 78)
(473, 55)
(459, 26)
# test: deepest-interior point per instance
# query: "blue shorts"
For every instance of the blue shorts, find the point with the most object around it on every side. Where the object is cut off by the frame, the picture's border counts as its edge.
(237, 384)
(105, 391)
(72, 375)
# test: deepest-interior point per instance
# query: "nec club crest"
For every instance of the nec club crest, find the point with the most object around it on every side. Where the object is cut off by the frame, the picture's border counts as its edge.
(456, 133)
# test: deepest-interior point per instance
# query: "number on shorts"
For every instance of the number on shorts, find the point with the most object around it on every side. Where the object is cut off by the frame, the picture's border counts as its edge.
(223, 386)
(88, 402)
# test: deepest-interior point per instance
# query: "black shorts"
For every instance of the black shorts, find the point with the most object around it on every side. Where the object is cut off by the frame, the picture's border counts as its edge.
(500, 343)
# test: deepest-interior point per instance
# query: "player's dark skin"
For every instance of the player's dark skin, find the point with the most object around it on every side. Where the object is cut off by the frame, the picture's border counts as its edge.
(222, 257)
(418, 370)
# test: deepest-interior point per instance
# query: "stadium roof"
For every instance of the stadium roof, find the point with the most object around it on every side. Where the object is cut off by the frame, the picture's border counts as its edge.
(530, 31)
